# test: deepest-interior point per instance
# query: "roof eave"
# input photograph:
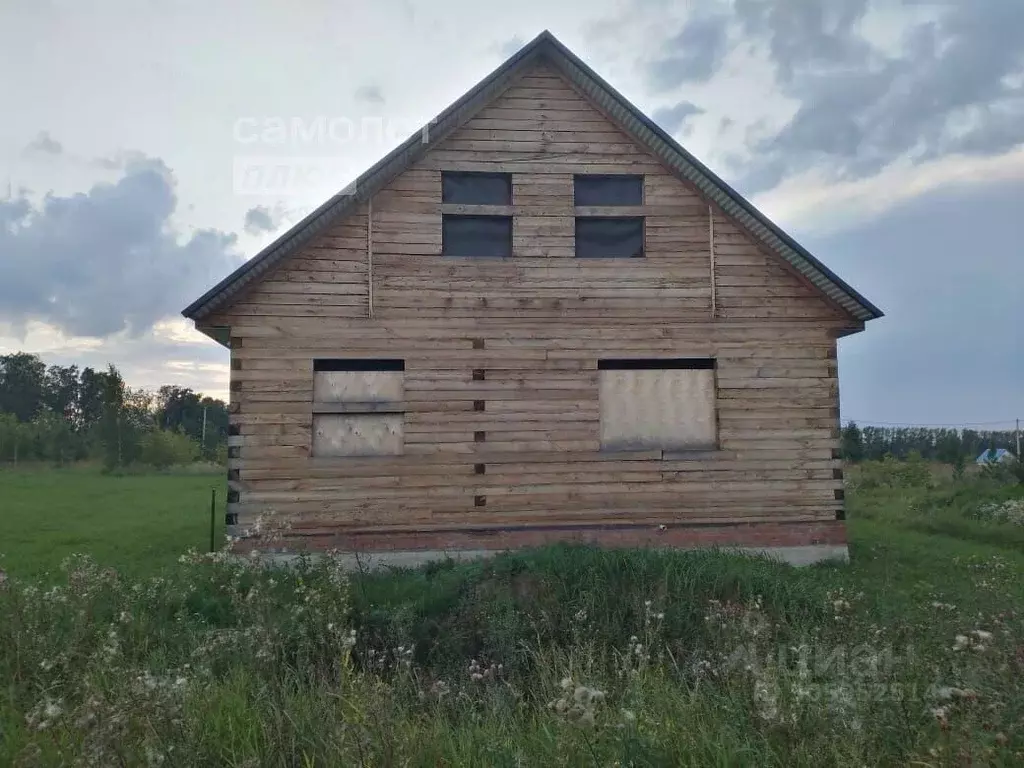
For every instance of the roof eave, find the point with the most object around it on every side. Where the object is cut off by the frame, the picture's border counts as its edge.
(709, 183)
(361, 189)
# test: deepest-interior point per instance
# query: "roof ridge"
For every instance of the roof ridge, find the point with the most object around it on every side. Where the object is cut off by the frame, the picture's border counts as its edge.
(635, 123)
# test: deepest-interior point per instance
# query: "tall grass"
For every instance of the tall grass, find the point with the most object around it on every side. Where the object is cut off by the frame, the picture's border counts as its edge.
(559, 656)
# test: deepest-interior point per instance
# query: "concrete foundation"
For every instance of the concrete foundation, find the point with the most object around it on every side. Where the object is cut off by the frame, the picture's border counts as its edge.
(374, 561)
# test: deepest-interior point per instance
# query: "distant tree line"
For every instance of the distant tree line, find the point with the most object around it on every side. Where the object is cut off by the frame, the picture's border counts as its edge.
(63, 414)
(947, 445)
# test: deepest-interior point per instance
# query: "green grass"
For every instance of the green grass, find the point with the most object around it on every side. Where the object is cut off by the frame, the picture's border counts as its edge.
(218, 661)
(137, 523)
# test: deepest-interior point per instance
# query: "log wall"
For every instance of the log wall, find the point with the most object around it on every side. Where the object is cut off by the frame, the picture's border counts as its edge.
(501, 426)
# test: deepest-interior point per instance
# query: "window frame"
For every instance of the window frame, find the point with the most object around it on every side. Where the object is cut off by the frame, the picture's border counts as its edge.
(387, 410)
(450, 218)
(589, 219)
(590, 210)
(635, 177)
(506, 177)
(615, 438)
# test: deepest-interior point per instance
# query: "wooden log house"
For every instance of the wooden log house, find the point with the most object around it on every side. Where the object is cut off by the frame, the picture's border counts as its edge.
(539, 319)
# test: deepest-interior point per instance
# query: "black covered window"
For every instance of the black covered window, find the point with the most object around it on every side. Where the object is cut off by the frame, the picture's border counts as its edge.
(478, 236)
(658, 364)
(616, 189)
(609, 238)
(476, 188)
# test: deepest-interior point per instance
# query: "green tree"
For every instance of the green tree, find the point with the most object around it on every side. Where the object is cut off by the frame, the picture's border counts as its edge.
(163, 448)
(90, 397)
(61, 392)
(852, 443)
(959, 467)
(54, 437)
(12, 438)
(22, 385)
(113, 421)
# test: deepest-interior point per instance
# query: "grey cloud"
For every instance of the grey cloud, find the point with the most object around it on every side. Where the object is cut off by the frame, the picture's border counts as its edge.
(370, 94)
(949, 348)
(121, 160)
(801, 34)
(510, 46)
(106, 260)
(675, 118)
(151, 359)
(45, 143)
(695, 54)
(956, 87)
(259, 219)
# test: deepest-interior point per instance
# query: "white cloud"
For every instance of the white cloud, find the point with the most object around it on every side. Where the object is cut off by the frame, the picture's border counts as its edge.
(818, 205)
(172, 352)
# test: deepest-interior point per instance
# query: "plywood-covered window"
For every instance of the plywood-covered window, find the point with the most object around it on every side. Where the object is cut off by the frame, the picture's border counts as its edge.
(602, 231)
(658, 404)
(358, 407)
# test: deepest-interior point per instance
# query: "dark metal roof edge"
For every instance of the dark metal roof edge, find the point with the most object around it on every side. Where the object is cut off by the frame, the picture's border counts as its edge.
(362, 188)
(712, 182)
(663, 146)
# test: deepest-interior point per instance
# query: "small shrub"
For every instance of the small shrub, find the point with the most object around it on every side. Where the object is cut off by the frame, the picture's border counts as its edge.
(892, 473)
(959, 468)
(163, 448)
(1009, 511)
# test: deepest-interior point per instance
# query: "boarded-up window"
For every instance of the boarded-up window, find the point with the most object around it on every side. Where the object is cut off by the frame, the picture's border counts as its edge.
(476, 236)
(358, 407)
(658, 404)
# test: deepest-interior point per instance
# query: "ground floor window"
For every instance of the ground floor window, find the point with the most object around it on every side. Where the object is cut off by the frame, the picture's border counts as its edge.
(358, 407)
(650, 404)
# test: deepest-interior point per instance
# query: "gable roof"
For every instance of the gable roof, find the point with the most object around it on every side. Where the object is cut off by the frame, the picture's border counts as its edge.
(636, 125)
(994, 454)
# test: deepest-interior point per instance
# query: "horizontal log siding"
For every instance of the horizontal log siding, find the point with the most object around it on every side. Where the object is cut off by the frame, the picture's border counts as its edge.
(537, 324)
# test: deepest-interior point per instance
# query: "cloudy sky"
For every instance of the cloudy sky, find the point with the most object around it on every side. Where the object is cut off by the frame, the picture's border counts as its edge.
(886, 135)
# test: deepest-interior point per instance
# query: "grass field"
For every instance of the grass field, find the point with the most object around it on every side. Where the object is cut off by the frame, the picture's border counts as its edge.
(911, 654)
(136, 522)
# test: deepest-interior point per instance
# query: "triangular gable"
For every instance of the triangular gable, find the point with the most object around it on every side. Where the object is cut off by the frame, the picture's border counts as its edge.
(636, 125)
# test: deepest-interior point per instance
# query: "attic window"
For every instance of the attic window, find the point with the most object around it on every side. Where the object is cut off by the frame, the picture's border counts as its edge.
(605, 234)
(476, 236)
(609, 237)
(617, 189)
(469, 188)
